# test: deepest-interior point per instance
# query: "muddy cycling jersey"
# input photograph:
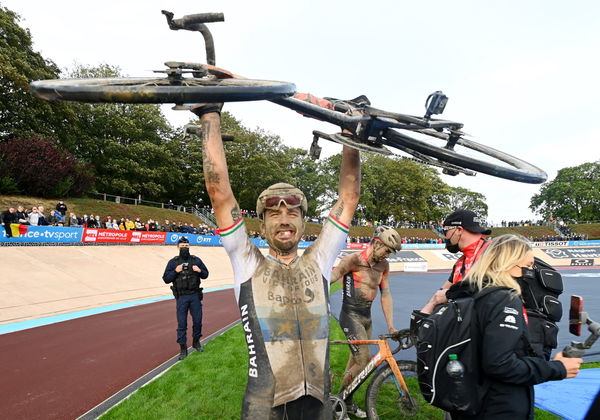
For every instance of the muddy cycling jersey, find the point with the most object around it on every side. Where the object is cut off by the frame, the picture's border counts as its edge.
(355, 315)
(284, 310)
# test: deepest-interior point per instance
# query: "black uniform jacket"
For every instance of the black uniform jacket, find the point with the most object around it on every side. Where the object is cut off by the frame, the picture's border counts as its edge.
(506, 360)
(170, 274)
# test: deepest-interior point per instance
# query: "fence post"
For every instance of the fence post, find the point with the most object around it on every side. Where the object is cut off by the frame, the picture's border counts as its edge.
(104, 196)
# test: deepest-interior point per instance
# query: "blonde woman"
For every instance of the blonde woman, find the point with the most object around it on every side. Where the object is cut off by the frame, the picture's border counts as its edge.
(507, 364)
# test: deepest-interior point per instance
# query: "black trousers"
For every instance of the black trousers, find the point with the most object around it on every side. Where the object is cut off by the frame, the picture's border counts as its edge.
(193, 305)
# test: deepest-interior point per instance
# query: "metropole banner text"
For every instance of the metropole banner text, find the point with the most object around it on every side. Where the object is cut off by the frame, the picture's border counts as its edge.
(122, 236)
(42, 234)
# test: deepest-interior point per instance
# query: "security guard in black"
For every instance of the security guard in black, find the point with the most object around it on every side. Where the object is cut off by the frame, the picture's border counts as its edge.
(185, 273)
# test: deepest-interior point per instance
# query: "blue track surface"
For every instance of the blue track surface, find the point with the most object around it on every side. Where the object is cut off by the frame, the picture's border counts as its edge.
(412, 290)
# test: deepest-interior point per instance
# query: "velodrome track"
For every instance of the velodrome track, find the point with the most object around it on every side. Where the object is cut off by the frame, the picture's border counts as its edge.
(64, 369)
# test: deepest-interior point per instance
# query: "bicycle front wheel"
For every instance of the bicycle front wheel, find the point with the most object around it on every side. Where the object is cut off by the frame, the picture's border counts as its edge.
(386, 400)
(160, 90)
(467, 154)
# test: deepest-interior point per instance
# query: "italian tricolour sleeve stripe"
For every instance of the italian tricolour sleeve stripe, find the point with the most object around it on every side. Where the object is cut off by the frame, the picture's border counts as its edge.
(338, 224)
(232, 228)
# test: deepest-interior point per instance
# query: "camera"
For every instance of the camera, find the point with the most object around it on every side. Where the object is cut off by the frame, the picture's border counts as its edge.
(435, 104)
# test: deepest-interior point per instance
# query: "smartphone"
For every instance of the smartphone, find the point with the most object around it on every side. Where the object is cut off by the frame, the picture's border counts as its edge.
(574, 315)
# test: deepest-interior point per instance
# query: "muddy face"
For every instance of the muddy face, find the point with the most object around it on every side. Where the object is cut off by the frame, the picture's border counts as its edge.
(380, 251)
(283, 229)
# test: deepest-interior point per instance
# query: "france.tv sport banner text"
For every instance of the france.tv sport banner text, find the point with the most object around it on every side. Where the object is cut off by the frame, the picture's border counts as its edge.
(41, 234)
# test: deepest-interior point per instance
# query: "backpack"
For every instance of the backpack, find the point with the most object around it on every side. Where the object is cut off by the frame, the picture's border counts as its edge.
(451, 328)
(540, 289)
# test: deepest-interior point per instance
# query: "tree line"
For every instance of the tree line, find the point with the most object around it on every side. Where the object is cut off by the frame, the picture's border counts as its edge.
(61, 149)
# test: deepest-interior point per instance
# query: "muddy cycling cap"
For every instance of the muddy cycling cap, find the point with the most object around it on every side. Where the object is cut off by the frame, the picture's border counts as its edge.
(183, 240)
(276, 194)
(389, 237)
(468, 220)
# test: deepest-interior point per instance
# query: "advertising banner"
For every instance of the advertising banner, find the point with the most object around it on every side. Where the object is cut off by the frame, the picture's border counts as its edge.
(142, 237)
(573, 252)
(106, 236)
(405, 257)
(588, 262)
(415, 267)
(209, 240)
(423, 246)
(356, 245)
(447, 256)
(123, 236)
(549, 243)
(42, 234)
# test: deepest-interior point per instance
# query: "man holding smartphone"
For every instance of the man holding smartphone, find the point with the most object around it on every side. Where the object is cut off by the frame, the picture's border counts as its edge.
(185, 272)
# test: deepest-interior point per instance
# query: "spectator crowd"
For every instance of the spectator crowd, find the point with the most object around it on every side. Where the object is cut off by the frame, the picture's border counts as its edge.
(36, 216)
(59, 216)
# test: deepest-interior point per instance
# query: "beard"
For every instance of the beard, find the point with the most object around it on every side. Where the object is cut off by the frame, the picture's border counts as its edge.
(286, 244)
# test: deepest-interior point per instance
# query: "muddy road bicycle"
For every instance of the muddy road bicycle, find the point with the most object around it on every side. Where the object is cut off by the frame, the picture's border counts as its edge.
(387, 396)
(425, 139)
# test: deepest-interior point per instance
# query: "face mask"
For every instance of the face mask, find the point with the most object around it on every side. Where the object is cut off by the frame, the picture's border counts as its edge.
(453, 248)
(527, 273)
(184, 252)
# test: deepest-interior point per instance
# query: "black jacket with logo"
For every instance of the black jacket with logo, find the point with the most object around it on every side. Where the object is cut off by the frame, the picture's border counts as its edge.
(506, 358)
(171, 276)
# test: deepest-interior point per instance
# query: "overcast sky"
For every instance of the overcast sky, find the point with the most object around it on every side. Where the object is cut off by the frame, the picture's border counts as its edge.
(522, 76)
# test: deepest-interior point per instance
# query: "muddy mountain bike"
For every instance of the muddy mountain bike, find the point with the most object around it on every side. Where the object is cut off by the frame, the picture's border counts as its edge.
(425, 139)
(387, 396)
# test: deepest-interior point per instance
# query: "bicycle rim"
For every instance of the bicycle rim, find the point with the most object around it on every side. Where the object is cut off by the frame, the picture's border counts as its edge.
(470, 155)
(160, 90)
(385, 400)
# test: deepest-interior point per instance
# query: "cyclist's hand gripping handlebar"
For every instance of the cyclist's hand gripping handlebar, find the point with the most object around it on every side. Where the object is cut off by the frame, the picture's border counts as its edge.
(403, 337)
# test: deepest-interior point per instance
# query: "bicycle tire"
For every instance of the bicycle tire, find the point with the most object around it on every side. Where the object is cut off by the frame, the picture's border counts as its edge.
(518, 170)
(384, 399)
(160, 90)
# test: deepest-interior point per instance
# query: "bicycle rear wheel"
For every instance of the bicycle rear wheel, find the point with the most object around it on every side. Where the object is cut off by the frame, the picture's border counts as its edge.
(386, 400)
(467, 154)
(160, 90)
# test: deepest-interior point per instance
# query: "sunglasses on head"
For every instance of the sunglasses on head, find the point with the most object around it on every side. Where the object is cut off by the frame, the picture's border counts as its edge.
(290, 201)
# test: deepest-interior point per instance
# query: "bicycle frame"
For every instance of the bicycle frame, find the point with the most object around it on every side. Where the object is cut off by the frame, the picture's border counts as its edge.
(383, 355)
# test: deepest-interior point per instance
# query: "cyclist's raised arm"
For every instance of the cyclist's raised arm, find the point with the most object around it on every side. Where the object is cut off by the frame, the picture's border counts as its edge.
(349, 188)
(216, 176)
